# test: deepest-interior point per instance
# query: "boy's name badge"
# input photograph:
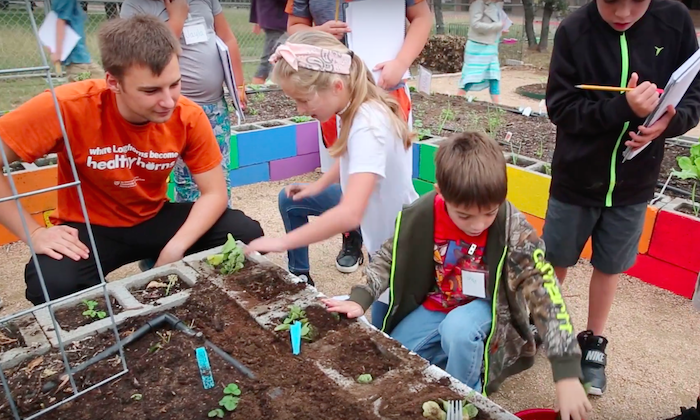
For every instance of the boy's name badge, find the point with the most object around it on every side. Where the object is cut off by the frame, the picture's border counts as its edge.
(474, 284)
(195, 31)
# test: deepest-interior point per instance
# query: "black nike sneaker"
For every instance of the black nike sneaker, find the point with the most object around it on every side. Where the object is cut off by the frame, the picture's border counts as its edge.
(593, 361)
(350, 257)
(692, 413)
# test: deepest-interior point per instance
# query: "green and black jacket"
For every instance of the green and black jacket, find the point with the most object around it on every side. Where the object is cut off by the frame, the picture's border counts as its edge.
(519, 279)
(593, 126)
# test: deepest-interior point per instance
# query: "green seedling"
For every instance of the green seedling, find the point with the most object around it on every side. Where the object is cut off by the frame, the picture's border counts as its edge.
(297, 314)
(301, 118)
(91, 311)
(690, 169)
(229, 402)
(422, 131)
(137, 397)
(172, 279)
(365, 379)
(412, 89)
(231, 258)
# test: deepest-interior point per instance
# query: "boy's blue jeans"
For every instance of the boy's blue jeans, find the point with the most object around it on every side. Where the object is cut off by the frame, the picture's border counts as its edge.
(454, 341)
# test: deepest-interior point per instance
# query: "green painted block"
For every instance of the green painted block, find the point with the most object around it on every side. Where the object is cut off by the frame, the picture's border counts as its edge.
(234, 152)
(171, 191)
(422, 187)
(426, 170)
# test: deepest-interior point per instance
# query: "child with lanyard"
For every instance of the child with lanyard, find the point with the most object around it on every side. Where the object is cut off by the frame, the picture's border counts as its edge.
(202, 73)
(328, 16)
(370, 180)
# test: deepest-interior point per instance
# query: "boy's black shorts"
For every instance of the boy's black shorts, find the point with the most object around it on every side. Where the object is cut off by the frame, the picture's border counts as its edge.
(615, 234)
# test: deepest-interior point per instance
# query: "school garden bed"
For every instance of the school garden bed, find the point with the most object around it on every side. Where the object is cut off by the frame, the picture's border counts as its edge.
(346, 369)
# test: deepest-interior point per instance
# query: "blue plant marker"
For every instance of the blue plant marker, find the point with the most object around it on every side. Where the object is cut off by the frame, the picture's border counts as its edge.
(295, 333)
(204, 367)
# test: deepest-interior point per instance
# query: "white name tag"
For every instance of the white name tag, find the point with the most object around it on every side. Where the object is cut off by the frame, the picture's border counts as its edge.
(474, 284)
(195, 33)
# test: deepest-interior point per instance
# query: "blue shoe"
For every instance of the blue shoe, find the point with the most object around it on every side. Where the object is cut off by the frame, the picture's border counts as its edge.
(147, 264)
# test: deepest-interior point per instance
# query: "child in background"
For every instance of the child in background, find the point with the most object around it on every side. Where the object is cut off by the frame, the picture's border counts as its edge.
(481, 67)
(628, 43)
(78, 61)
(321, 15)
(202, 74)
(270, 17)
(371, 177)
(464, 268)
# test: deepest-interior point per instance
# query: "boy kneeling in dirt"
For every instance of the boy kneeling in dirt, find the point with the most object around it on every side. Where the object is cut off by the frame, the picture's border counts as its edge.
(463, 269)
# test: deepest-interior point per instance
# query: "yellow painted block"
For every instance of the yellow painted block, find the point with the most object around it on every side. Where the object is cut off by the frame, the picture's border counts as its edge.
(528, 191)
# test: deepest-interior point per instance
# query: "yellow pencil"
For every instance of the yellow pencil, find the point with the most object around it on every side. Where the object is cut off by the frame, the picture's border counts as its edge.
(609, 88)
(337, 8)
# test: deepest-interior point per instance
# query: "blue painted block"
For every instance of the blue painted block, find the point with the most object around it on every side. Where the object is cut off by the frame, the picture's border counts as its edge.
(266, 144)
(245, 175)
(416, 160)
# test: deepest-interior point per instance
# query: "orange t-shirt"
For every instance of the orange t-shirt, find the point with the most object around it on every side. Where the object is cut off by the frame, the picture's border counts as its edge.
(122, 167)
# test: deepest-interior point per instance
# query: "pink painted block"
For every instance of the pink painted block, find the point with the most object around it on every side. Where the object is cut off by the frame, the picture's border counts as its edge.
(675, 240)
(293, 166)
(664, 275)
(307, 138)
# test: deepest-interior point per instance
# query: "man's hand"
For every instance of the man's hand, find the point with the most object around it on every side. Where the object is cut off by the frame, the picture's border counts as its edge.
(58, 241)
(572, 400)
(391, 73)
(177, 9)
(349, 308)
(301, 191)
(647, 134)
(170, 254)
(266, 244)
(256, 29)
(336, 28)
(644, 98)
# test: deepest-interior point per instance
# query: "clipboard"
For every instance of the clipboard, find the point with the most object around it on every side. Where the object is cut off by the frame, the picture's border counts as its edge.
(230, 78)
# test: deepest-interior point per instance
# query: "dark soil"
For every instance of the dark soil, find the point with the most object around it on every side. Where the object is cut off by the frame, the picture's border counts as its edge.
(46, 161)
(263, 283)
(534, 91)
(532, 137)
(163, 381)
(324, 321)
(273, 105)
(360, 354)
(10, 337)
(443, 54)
(688, 209)
(269, 124)
(14, 166)
(70, 318)
(147, 296)
(244, 128)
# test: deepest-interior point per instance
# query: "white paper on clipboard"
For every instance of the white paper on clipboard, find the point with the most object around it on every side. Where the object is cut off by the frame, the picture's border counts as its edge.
(674, 91)
(47, 35)
(377, 30)
(229, 77)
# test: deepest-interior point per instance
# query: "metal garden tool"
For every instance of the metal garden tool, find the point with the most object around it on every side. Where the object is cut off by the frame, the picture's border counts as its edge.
(454, 410)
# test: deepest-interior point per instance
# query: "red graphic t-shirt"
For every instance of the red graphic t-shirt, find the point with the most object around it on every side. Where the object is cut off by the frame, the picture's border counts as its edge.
(454, 252)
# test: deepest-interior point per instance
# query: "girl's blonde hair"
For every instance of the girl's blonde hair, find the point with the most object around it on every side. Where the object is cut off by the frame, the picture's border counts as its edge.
(360, 83)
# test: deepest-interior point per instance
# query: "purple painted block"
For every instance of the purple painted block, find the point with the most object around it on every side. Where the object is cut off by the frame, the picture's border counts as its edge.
(293, 166)
(307, 138)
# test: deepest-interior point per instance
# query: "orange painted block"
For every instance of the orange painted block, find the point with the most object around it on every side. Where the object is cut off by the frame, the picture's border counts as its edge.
(7, 237)
(536, 223)
(34, 180)
(648, 229)
(587, 252)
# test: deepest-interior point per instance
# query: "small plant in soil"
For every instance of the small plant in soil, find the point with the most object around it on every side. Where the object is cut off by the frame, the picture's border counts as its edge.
(231, 258)
(365, 379)
(258, 97)
(690, 169)
(92, 310)
(297, 314)
(301, 119)
(420, 130)
(432, 410)
(495, 119)
(229, 402)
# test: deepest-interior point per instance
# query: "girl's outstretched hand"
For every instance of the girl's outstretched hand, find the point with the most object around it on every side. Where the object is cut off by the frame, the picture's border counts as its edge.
(349, 308)
(301, 191)
(265, 244)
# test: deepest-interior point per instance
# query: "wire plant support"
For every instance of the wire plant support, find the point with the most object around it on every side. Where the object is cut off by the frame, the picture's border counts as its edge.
(16, 196)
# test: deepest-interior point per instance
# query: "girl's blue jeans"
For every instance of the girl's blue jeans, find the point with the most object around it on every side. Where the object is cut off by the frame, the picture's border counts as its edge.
(454, 342)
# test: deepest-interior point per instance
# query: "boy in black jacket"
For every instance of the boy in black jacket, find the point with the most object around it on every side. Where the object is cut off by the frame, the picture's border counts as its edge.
(627, 43)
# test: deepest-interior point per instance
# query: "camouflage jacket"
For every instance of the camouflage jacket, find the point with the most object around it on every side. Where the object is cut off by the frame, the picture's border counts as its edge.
(520, 281)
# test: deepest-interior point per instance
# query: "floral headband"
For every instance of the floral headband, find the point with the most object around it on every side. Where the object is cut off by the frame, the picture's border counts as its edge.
(313, 58)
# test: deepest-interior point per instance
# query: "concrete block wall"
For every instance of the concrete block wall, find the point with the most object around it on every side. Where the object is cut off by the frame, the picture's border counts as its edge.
(668, 253)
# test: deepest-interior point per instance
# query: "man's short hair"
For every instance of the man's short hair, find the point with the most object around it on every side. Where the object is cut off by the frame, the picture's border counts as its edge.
(470, 170)
(141, 40)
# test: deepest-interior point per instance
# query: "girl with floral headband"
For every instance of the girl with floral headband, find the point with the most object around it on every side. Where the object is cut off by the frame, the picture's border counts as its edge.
(370, 181)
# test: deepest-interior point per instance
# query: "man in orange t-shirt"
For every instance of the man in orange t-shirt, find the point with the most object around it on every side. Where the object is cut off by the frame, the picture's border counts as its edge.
(125, 134)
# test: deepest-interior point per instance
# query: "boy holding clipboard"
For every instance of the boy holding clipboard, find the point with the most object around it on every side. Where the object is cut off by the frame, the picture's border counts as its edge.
(626, 43)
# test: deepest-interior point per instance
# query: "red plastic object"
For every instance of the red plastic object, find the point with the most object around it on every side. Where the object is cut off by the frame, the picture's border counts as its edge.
(537, 414)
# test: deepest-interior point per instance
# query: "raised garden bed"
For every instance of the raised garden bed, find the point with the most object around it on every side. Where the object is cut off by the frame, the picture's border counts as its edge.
(159, 288)
(164, 381)
(85, 312)
(534, 91)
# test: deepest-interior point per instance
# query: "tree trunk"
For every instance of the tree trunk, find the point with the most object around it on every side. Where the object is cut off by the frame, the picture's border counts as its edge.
(439, 21)
(529, 9)
(544, 34)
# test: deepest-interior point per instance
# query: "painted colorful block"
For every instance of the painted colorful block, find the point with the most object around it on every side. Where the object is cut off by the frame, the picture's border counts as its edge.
(307, 137)
(536, 222)
(427, 152)
(416, 160)
(233, 145)
(7, 237)
(664, 275)
(259, 144)
(33, 180)
(528, 190)
(422, 187)
(293, 166)
(171, 192)
(675, 238)
(245, 175)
